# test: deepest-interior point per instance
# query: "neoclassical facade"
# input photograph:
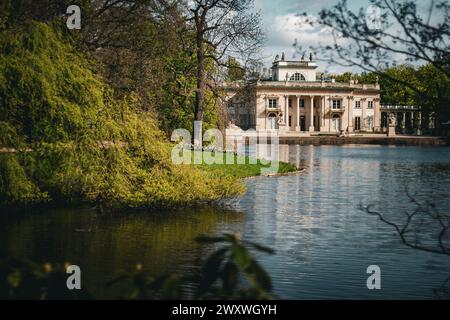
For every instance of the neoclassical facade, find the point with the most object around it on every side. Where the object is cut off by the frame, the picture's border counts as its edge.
(294, 102)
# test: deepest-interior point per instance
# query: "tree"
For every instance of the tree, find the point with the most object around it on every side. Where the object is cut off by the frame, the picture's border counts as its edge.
(395, 93)
(222, 28)
(68, 139)
(235, 72)
(396, 31)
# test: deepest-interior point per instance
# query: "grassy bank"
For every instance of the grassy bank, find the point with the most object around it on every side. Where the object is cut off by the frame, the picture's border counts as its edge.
(239, 166)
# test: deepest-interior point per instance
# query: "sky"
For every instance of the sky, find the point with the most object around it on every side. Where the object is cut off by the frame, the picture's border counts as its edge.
(281, 23)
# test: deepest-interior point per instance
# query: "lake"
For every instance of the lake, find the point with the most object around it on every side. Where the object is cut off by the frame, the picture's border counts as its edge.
(323, 241)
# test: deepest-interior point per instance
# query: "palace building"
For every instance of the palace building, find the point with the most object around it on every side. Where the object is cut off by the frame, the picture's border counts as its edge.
(294, 101)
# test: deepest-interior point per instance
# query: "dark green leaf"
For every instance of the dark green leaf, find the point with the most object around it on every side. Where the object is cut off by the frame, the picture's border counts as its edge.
(259, 276)
(230, 276)
(241, 256)
(211, 269)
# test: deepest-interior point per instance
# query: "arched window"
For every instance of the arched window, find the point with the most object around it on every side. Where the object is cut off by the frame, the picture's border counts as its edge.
(297, 77)
(272, 121)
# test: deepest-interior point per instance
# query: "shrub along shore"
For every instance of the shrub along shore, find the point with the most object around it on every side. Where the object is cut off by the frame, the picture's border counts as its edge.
(55, 107)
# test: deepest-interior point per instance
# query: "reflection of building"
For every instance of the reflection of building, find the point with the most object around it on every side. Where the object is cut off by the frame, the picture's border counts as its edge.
(293, 101)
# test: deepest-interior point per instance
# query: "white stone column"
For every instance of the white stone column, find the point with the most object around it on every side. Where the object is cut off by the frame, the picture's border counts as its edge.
(403, 121)
(329, 117)
(286, 111)
(322, 116)
(266, 106)
(419, 124)
(377, 115)
(297, 117)
(350, 114)
(311, 115)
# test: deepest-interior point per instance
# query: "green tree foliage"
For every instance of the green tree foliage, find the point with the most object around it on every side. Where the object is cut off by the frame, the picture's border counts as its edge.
(235, 71)
(72, 140)
(432, 82)
(395, 93)
(345, 77)
(134, 55)
(428, 88)
(431, 90)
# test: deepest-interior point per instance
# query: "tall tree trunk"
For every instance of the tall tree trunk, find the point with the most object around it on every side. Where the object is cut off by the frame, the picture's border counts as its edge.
(200, 92)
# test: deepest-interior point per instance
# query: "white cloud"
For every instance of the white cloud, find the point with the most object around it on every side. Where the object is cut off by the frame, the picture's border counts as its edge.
(291, 28)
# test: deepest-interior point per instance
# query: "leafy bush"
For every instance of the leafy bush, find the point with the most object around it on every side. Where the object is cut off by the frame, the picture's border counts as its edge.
(74, 142)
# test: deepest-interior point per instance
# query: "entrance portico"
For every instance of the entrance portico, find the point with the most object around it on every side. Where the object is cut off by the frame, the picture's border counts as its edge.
(300, 113)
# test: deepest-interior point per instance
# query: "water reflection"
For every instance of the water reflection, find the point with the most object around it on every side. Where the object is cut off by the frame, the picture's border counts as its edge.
(323, 242)
(106, 246)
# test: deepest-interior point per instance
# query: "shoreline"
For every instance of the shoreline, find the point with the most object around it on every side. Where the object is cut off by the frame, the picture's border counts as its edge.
(374, 140)
(281, 174)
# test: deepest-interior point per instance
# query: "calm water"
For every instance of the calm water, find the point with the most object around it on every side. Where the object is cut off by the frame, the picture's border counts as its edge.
(324, 243)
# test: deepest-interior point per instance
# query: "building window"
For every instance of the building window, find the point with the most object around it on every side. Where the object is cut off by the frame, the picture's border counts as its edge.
(252, 120)
(370, 105)
(297, 77)
(290, 121)
(273, 103)
(302, 103)
(357, 123)
(302, 123)
(357, 104)
(336, 123)
(272, 121)
(245, 120)
(337, 104)
(290, 103)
